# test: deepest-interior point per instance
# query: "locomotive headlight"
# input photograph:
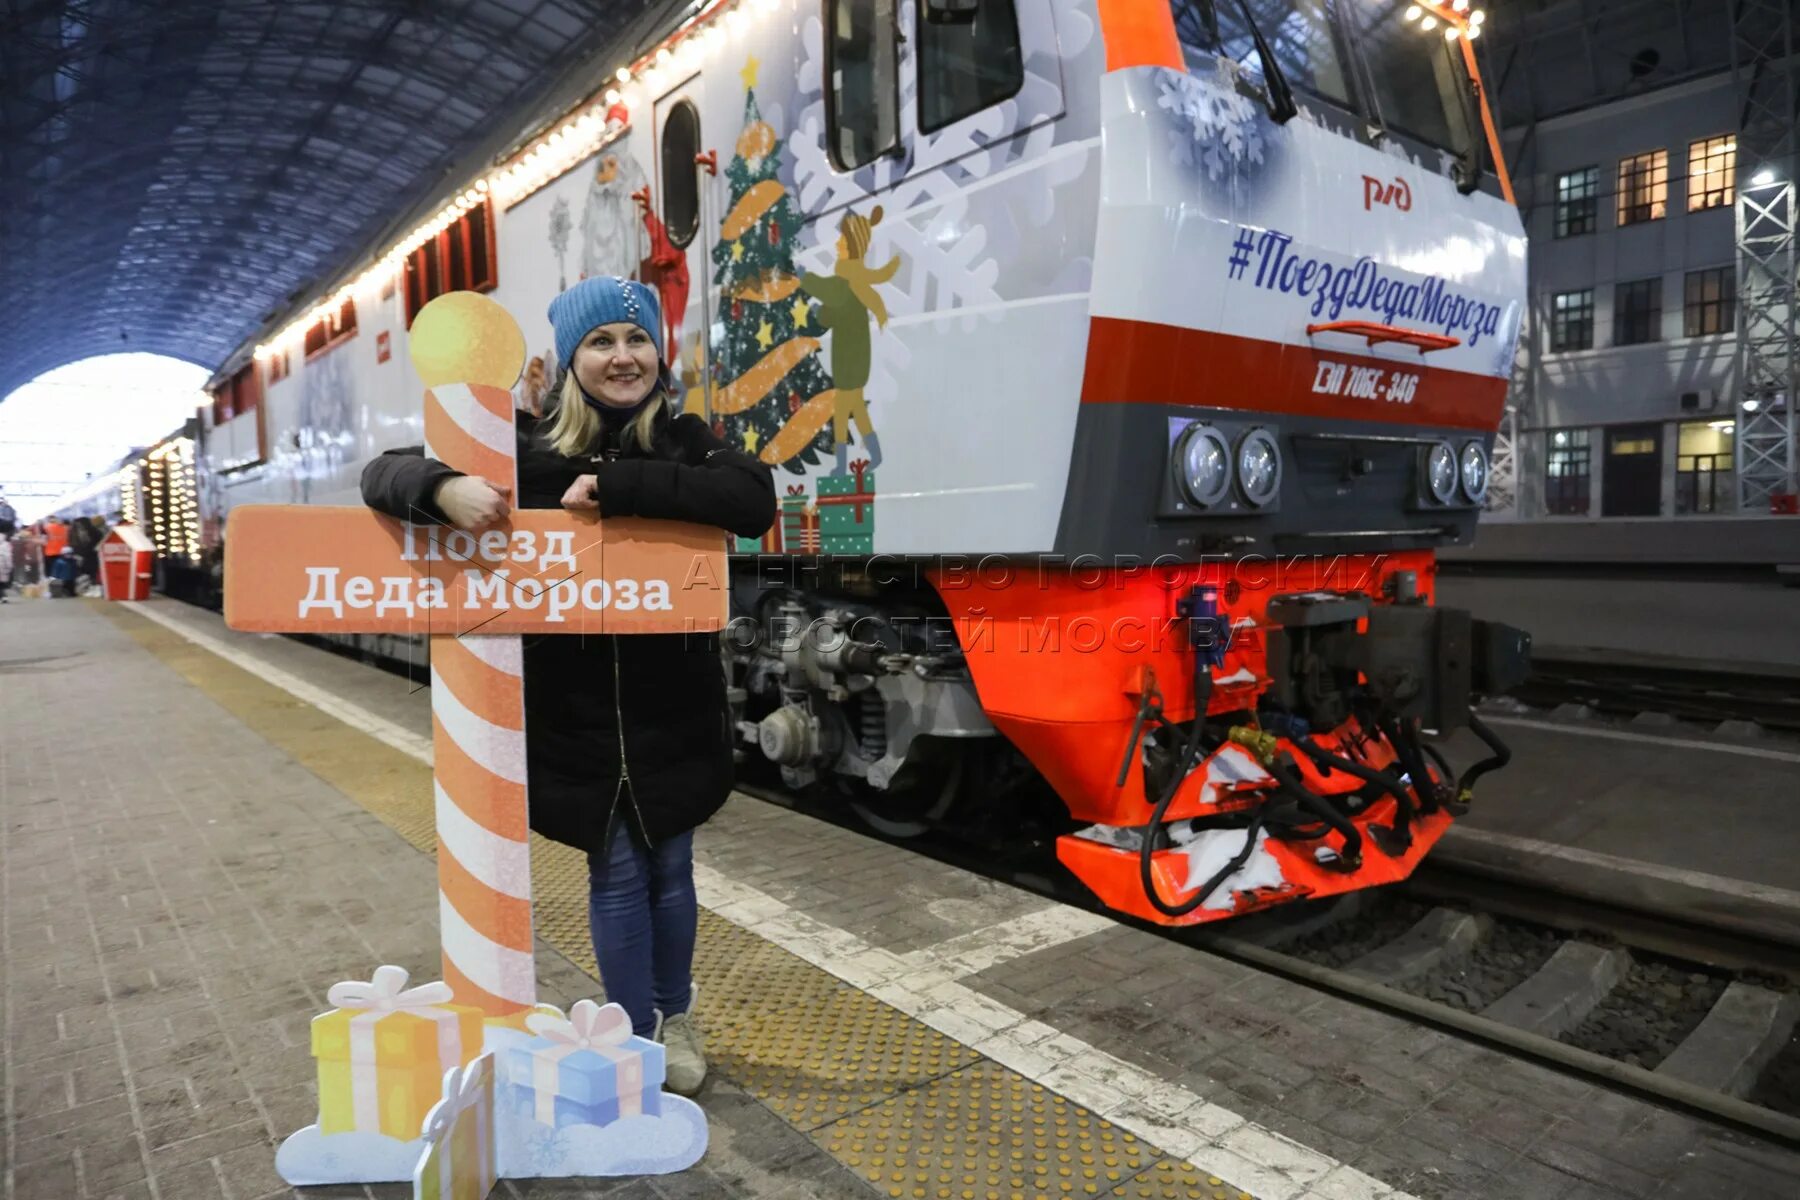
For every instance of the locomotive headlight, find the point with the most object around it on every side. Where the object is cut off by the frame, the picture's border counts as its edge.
(1203, 465)
(1440, 473)
(1259, 466)
(1474, 465)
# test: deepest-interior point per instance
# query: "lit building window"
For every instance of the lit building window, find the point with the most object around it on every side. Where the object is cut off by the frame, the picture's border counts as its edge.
(1643, 187)
(1703, 466)
(1712, 168)
(1577, 202)
(1566, 473)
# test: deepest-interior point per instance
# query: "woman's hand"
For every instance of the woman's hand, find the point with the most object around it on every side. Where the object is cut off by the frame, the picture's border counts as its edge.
(471, 502)
(580, 496)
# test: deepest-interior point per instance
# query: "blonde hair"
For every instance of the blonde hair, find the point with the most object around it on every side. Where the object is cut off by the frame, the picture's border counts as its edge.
(576, 426)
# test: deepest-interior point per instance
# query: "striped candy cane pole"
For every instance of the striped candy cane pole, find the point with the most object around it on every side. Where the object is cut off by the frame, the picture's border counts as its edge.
(478, 738)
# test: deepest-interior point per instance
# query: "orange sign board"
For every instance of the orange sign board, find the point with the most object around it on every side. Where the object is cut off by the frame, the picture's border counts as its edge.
(304, 569)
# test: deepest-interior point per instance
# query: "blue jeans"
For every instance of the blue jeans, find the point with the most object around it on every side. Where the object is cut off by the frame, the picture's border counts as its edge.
(644, 917)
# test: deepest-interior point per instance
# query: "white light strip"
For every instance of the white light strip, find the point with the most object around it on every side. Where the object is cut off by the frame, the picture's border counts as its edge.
(584, 131)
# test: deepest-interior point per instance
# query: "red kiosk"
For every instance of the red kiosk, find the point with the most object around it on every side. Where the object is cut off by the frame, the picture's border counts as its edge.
(125, 558)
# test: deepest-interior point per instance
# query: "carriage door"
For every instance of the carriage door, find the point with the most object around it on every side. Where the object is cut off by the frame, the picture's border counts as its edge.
(678, 264)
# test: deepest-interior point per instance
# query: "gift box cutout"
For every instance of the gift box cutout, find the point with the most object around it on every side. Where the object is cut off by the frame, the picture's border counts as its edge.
(585, 1069)
(461, 1160)
(383, 1051)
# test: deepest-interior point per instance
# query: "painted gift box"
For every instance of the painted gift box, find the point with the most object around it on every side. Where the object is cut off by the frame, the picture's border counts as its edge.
(787, 531)
(383, 1051)
(799, 521)
(769, 543)
(847, 510)
(587, 1069)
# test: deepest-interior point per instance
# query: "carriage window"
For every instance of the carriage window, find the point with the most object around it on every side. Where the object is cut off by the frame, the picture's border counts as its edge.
(863, 104)
(1298, 33)
(1418, 83)
(968, 66)
(680, 181)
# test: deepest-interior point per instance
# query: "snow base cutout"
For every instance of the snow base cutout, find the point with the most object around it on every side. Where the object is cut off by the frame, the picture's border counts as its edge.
(659, 1145)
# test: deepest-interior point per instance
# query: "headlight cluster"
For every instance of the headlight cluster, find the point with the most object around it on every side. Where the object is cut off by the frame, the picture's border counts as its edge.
(1446, 469)
(1206, 465)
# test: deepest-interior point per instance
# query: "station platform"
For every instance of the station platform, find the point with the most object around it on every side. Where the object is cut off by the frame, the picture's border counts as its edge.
(203, 829)
(1666, 821)
(1634, 615)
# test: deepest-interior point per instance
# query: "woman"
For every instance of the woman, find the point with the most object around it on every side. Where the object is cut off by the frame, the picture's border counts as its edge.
(627, 738)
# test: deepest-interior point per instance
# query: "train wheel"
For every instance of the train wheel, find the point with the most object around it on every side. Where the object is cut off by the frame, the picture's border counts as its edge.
(916, 802)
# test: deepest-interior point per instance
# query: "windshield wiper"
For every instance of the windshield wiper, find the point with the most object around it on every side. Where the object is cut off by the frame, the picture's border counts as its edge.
(1468, 159)
(1282, 108)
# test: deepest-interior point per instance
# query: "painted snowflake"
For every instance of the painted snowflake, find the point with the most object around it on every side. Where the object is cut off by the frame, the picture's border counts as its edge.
(1223, 127)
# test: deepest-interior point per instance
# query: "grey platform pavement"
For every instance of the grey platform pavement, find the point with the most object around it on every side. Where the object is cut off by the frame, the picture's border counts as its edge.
(161, 966)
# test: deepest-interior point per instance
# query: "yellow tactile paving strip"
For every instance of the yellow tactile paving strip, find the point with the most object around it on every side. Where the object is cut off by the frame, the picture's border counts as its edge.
(915, 1113)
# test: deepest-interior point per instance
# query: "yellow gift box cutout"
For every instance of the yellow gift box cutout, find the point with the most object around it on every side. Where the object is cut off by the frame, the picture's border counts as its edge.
(383, 1053)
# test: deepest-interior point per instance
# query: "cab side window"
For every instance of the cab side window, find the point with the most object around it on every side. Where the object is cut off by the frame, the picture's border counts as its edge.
(680, 182)
(967, 66)
(862, 101)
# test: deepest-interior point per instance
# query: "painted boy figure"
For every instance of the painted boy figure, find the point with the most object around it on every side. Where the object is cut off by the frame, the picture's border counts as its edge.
(847, 298)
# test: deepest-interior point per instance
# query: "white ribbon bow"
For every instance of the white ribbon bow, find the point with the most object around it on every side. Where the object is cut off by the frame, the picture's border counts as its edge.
(588, 1025)
(462, 1088)
(387, 992)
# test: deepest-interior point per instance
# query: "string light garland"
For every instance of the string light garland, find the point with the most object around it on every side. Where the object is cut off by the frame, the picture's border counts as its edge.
(1457, 18)
(174, 499)
(599, 120)
(128, 501)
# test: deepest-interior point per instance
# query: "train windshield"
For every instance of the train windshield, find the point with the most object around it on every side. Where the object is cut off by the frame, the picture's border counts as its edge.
(1360, 55)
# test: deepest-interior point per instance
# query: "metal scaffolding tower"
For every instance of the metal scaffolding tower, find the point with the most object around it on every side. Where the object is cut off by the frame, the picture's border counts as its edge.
(1762, 50)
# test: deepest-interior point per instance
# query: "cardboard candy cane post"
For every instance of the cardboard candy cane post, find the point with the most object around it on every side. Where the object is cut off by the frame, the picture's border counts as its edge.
(327, 570)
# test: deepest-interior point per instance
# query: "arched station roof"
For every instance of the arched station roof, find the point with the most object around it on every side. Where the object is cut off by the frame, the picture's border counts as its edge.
(178, 173)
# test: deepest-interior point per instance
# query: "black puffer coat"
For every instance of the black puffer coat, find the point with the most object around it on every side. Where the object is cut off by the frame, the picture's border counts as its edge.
(635, 722)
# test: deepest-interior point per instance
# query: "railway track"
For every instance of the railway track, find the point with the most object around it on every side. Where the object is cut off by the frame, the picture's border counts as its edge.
(1673, 689)
(1647, 1005)
(1652, 1003)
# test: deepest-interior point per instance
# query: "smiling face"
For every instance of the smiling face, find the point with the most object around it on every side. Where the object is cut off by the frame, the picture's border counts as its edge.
(616, 364)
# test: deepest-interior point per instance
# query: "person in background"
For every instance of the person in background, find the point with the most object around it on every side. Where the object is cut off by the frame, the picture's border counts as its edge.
(9, 525)
(56, 539)
(84, 545)
(628, 742)
(91, 564)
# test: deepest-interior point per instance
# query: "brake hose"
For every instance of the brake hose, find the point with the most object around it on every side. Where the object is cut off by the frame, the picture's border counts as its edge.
(1285, 775)
(1189, 759)
(1415, 751)
(1404, 810)
(1443, 764)
(1501, 756)
(1417, 777)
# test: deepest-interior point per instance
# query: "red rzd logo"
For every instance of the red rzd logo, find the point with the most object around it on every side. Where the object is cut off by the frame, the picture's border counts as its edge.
(1396, 194)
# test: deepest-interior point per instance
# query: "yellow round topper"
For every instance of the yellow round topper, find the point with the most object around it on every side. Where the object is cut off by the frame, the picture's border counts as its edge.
(464, 337)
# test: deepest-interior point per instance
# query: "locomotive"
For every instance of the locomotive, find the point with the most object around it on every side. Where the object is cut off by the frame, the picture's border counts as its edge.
(1122, 364)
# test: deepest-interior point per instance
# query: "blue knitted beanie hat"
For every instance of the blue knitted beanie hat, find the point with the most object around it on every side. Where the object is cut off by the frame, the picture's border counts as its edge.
(603, 300)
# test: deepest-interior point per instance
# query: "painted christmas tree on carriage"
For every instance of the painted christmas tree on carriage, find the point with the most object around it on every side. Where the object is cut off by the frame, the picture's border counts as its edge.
(772, 393)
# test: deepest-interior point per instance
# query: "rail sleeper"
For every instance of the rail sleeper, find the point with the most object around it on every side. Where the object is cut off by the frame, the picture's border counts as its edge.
(1728, 1050)
(1563, 991)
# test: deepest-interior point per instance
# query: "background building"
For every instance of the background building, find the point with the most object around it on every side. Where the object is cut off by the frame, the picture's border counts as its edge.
(1626, 126)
